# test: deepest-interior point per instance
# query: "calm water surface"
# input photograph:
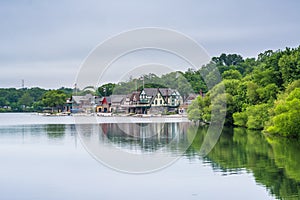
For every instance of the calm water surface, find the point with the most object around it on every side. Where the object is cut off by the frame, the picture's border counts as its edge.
(43, 158)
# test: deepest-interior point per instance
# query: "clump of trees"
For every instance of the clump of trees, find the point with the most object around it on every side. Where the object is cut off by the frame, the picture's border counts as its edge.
(54, 99)
(32, 99)
(262, 93)
(285, 115)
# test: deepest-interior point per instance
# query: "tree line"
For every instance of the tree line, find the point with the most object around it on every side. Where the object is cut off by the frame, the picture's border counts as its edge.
(32, 99)
(262, 93)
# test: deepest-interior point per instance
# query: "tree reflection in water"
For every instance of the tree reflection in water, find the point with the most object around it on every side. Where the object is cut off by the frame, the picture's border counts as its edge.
(274, 162)
(55, 130)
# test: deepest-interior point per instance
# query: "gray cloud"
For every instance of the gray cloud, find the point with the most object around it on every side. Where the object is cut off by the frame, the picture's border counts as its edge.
(46, 36)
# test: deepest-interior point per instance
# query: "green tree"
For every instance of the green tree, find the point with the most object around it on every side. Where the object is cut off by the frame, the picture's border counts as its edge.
(54, 99)
(254, 117)
(227, 60)
(13, 95)
(267, 93)
(106, 89)
(3, 102)
(257, 116)
(240, 119)
(36, 93)
(184, 87)
(232, 74)
(286, 119)
(268, 70)
(252, 94)
(25, 100)
(195, 110)
(292, 86)
(290, 66)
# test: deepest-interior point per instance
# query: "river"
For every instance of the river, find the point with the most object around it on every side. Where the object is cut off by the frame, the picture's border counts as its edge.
(55, 158)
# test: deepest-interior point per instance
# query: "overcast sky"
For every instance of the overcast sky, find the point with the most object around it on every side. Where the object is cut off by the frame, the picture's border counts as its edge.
(45, 42)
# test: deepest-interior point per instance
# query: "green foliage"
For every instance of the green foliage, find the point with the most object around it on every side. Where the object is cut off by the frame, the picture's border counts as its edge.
(292, 86)
(268, 93)
(195, 80)
(290, 66)
(254, 117)
(252, 94)
(262, 76)
(54, 98)
(268, 69)
(188, 82)
(252, 86)
(240, 119)
(106, 89)
(286, 116)
(67, 91)
(232, 74)
(19, 100)
(228, 60)
(26, 99)
(196, 110)
(3, 102)
(257, 116)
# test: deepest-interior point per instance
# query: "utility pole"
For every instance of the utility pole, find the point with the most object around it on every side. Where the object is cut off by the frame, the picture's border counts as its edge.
(75, 89)
(143, 81)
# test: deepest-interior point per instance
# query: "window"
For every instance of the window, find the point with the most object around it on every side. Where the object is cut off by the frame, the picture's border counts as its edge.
(156, 102)
(160, 101)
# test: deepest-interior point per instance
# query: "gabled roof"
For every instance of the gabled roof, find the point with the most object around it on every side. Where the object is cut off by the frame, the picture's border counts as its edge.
(115, 98)
(108, 99)
(151, 92)
(76, 99)
(165, 91)
(79, 99)
(101, 100)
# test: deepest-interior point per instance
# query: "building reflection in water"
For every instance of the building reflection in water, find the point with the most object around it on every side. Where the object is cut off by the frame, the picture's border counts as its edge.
(140, 137)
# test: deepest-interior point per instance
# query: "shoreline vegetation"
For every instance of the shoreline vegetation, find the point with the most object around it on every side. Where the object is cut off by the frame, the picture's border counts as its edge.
(261, 93)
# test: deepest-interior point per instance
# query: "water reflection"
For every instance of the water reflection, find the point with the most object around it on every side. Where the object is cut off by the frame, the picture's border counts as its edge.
(135, 147)
(143, 136)
(55, 130)
(149, 137)
(274, 162)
